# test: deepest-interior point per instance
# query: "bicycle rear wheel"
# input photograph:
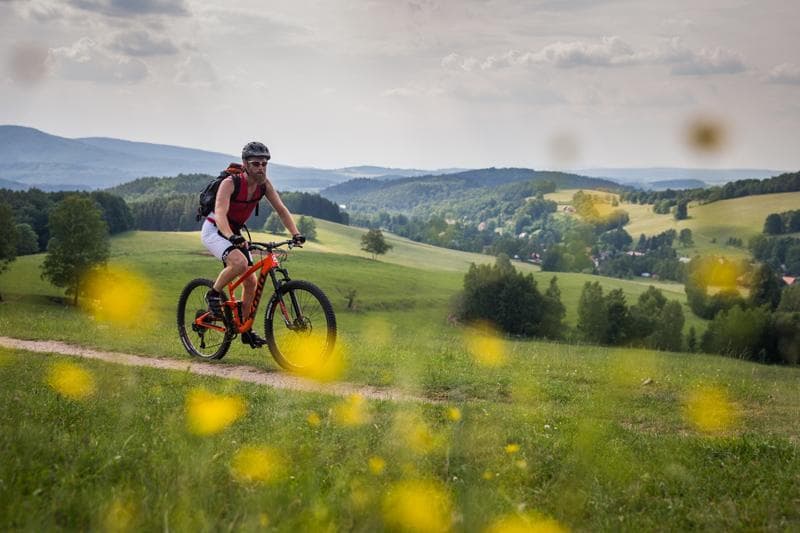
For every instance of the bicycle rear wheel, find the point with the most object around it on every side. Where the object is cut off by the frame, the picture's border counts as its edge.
(300, 326)
(209, 338)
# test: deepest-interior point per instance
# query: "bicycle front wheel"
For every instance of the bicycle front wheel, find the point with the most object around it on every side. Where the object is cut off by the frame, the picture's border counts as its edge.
(300, 326)
(201, 333)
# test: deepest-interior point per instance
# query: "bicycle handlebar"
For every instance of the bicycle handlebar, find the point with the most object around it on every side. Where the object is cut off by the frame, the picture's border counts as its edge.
(269, 246)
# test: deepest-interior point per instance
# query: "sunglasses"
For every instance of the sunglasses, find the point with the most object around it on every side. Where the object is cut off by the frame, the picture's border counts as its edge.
(258, 163)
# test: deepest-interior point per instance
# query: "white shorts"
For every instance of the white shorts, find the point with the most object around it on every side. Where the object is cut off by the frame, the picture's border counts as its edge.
(218, 245)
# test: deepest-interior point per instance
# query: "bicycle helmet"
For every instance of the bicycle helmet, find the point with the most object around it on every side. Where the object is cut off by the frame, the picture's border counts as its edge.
(254, 149)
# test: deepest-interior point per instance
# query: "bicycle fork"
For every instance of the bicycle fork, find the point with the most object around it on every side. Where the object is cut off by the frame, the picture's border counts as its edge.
(292, 324)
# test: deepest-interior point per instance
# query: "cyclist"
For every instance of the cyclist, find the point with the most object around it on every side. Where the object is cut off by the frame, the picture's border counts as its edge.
(221, 232)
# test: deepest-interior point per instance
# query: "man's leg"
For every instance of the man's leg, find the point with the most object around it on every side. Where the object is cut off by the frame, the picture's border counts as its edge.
(249, 285)
(235, 265)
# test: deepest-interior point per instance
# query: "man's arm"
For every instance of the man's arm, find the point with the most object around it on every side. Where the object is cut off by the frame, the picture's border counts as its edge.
(283, 213)
(221, 207)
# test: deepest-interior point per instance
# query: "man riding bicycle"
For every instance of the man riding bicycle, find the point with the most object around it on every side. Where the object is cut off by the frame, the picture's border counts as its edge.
(221, 231)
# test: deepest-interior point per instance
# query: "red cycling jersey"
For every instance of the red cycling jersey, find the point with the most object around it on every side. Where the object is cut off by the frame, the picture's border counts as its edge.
(241, 207)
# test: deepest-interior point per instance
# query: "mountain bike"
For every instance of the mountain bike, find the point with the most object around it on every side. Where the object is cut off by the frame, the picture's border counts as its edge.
(299, 324)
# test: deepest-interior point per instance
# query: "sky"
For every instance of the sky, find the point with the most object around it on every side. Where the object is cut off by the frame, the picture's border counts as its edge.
(545, 84)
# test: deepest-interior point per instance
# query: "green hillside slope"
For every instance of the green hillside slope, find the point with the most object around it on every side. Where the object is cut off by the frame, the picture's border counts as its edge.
(740, 218)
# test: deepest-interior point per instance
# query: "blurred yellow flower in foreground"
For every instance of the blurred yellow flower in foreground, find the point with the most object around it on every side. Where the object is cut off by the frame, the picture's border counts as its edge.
(313, 419)
(117, 296)
(485, 345)
(710, 410)
(258, 464)
(119, 516)
(453, 414)
(528, 523)
(71, 380)
(305, 350)
(417, 435)
(417, 506)
(208, 413)
(351, 412)
(377, 465)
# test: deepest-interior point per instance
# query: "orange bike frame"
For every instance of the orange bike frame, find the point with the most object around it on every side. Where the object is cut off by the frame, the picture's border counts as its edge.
(265, 265)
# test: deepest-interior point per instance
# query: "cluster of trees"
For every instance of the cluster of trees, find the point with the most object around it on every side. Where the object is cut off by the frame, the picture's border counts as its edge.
(789, 182)
(31, 210)
(653, 322)
(511, 301)
(764, 325)
(78, 239)
(178, 212)
(780, 253)
(435, 230)
(599, 211)
(786, 222)
(758, 332)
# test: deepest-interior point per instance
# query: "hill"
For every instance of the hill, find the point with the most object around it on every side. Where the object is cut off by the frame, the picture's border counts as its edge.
(451, 193)
(713, 224)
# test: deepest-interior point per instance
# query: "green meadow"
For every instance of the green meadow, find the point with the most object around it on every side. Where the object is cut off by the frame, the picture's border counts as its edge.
(539, 434)
(711, 224)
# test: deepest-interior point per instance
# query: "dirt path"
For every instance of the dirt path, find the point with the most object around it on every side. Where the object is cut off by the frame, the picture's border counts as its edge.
(277, 380)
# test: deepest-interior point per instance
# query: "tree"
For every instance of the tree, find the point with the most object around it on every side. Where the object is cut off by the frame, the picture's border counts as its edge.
(766, 287)
(667, 334)
(274, 224)
(374, 243)
(617, 318)
(78, 242)
(773, 225)
(685, 237)
(8, 245)
(27, 240)
(794, 221)
(691, 340)
(790, 299)
(509, 299)
(793, 260)
(307, 227)
(592, 317)
(552, 324)
(644, 315)
(682, 210)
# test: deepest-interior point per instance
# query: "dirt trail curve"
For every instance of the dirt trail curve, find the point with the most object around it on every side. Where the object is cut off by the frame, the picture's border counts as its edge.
(278, 380)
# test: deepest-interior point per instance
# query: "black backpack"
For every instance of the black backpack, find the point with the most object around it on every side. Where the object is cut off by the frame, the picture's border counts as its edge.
(208, 198)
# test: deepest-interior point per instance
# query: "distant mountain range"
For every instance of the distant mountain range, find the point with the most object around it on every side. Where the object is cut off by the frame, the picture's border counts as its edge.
(33, 158)
(677, 178)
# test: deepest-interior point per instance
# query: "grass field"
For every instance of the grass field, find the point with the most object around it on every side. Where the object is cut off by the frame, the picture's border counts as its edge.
(541, 433)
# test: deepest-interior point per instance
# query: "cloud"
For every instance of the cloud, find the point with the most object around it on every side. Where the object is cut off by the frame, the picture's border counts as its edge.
(611, 51)
(125, 8)
(140, 43)
(714, 61)
(608, 52)
(86, 61)
(414, 90)
(197, 71)
(42, 11)
(785, 74)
